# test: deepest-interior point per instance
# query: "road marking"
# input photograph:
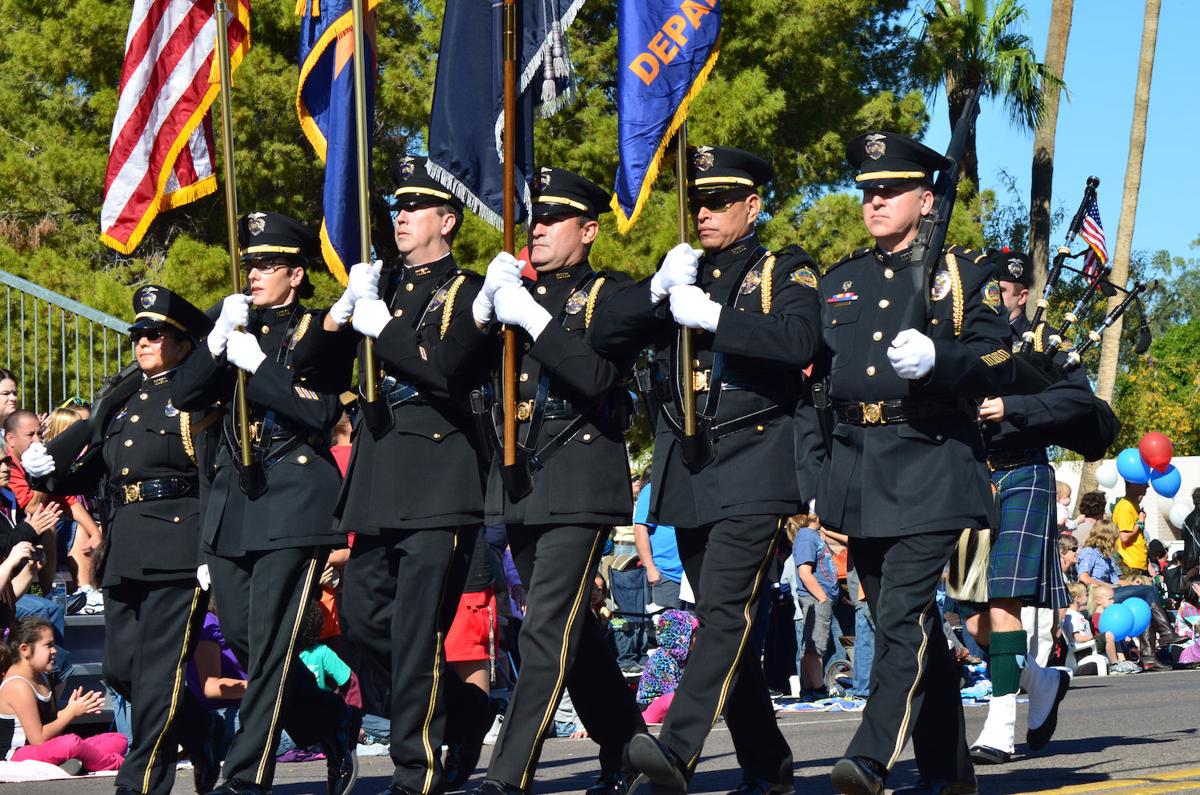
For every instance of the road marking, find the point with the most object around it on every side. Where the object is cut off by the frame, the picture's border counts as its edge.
(1173, 781)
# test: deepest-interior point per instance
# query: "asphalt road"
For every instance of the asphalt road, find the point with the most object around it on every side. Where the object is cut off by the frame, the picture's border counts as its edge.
(1128, 734)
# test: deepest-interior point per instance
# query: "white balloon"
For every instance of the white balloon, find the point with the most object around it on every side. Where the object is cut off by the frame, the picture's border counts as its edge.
(1107, 475)
(1178, 515)
(1165, 504)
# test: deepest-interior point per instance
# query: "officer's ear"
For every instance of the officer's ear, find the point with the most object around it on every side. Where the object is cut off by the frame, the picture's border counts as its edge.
(926, 199)
(753, 208)
(589, 228)
(296, 276)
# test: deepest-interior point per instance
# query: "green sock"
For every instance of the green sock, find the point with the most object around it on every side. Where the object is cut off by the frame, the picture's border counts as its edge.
(1005, 649)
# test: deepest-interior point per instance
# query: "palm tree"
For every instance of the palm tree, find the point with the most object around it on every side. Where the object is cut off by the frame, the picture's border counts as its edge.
(965, 48)
(1109, 355)
(1042, 180)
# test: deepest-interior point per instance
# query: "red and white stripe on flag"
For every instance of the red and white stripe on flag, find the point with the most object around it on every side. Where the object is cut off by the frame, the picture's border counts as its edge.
(162, 152)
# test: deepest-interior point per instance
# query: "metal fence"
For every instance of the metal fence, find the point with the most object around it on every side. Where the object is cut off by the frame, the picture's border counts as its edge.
(58, 349)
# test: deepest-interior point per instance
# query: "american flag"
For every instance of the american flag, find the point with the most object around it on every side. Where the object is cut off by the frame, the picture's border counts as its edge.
(1093, 232)
(162, 153)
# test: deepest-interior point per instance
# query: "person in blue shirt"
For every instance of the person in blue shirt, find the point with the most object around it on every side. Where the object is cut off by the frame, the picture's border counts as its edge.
(658, 552)
(815, 592)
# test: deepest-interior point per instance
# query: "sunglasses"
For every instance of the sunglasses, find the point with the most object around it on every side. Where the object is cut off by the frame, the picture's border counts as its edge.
(267, 266)
(73, 402)
(153, 335)
(718, 204)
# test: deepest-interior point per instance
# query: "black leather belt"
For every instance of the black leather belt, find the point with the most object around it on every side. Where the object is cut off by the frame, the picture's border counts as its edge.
(1015, 459)
(167, 488)
(892, 412)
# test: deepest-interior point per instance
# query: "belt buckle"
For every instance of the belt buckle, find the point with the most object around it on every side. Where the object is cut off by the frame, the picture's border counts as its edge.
(872, 413)
(133, 492)
(700, 380)
(524, 410)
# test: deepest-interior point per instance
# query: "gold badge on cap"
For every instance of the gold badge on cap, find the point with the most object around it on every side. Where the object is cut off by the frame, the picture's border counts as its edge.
(148, 297)
(543, 179)
(941, 285)
(703, 158)
(876, 146)
(1016, 267)
(256, 223)
(408, 167)
(576, 302)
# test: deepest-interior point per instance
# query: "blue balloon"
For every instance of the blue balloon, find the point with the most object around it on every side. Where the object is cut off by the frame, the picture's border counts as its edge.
(1141, 614)
(1131, 466)
(1167, 483)
(1117, 619)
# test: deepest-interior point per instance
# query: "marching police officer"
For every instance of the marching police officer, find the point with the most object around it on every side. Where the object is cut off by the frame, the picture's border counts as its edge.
(266, 526)
(144, 454)
(905, 472)
(571, 482)
(414, 490)
(1024, 566)
(754, 318)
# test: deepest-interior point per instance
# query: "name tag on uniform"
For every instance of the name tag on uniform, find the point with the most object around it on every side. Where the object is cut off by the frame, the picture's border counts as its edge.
(841, 298)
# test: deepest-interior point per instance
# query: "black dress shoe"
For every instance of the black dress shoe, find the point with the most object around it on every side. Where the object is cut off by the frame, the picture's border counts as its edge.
(491, 786)
(764, 787)
(858, 775)
(616, 784)
(463, 755)
(206, 768)
(397, 789)
(238, 787)
(341, 757)
(939, 787)
(656, 762)
(986, 755)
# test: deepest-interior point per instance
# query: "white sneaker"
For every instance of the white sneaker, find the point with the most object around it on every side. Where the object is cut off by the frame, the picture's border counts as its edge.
(1046, 688)
(95, 601)
(997, 741)
(494, 732)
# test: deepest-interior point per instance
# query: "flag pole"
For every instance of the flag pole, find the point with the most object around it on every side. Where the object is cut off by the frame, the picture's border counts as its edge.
(510, 212)
(370, 391)
(231, 209)
(685, 334)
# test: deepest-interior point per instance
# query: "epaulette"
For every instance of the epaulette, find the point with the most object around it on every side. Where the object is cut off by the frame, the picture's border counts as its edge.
(969, 254)
(852, 255)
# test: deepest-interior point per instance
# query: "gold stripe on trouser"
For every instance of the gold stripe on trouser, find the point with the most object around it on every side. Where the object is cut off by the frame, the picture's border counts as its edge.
(762, 569)
(305, 595)
(552, 704)
(438, 641)
(916, 681)
(176, 693)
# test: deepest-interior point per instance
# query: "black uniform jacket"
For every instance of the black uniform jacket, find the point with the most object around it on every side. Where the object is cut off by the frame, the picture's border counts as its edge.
(766, 336)
(1029, 418)
(134, 435)
(425, 472)
(929, 474)
(298, 411)
(587, 480)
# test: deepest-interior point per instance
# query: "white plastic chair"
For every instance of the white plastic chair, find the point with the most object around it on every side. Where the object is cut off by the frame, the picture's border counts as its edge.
(1084, 652)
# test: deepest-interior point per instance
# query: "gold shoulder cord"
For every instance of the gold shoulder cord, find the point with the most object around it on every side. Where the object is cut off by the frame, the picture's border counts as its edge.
(448, 308)
(185, 433)
(956, 291)
(301, 330)
(768, 280)
(591, 302)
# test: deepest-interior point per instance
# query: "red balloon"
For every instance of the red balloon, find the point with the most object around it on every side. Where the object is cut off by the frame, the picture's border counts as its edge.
(1156, 450)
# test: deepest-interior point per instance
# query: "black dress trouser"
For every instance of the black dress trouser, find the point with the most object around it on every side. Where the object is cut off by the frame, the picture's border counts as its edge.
(725, 563)
(914, 681)
(562, 645)
(401, 594)
(151, 630)
(261, 599)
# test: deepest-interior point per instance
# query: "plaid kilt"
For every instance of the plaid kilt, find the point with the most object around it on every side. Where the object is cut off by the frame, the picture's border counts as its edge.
(1024, 563)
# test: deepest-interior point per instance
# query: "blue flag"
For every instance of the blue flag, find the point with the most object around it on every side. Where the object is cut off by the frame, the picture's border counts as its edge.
(467, 120)
(665, 51)
(325, 104)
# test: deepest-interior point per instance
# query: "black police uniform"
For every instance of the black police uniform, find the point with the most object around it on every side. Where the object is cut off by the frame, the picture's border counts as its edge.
(905, 473)
(571, 412)
(753, 397)
(266, 552)
(143, 451)
(413, 494)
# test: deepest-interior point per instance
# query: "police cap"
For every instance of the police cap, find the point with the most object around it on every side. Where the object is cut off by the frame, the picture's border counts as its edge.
(712, 169)
(1013, 266)
(414, 185)
(560, 193)
(270, 235)
(887, 158)
(156, 308)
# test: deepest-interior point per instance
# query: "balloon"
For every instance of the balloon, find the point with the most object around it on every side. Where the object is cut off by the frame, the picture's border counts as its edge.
(1118, 620)
(1165, 504)
(1167, 482)
(1177, 516)
(1156, 450)
(1141, 614)
(1131, 466)
(1107, 475)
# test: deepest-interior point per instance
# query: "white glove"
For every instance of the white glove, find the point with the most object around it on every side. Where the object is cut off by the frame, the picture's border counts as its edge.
(203, 577)
(235, 313)
(370, 316)
(503, 269)
(911, 354)
(362, 283)
(244, 351)
(37, 461)
(679, 267)
(693, 309)
(516, 307)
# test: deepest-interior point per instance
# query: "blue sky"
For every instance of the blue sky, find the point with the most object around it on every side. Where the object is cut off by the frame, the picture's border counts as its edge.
(1093, 122)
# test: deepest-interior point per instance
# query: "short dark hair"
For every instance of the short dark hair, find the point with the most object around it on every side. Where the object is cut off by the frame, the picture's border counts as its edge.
(13, 421)
(449, 209)
(1196, 496)
(1092, 504)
